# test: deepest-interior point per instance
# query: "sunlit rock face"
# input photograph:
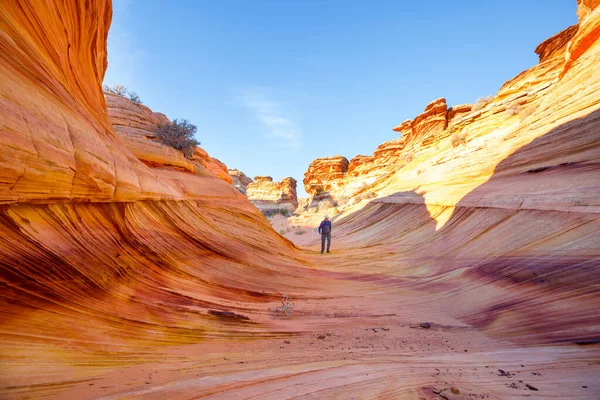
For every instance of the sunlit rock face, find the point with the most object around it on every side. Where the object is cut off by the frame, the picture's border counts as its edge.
(445, 152)
(585, 8)
(58, 142)
(124, 275)
(136, 124)
(239, 180)
(110, 242)
(324, 173)
(268, 195)
(505, 200)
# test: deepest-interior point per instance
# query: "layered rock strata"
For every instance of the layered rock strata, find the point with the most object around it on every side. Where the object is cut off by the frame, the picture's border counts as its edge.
(324, 173)
(136, 124)
(452, 150)
(111, 243)
(126, 279)
(239, 180)
(269, 196)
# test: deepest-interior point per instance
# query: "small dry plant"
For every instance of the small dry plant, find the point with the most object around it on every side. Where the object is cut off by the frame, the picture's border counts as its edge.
(459, 138)
(287, 307)
(407, 158)
(482, 102)
(513, 109)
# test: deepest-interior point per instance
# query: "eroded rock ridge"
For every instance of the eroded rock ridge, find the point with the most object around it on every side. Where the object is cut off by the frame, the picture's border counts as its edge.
(270, 196)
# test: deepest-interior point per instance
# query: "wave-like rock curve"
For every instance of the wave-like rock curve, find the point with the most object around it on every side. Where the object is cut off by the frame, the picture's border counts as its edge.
(125, 275)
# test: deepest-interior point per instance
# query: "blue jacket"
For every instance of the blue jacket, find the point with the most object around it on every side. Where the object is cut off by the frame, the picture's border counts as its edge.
(325, 227)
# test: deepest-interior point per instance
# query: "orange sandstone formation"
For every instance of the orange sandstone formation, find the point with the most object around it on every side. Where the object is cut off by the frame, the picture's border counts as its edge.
(127, 272)
(323, 172)
(268, 195)
(135, 125)
(111, 243)
(445, 152)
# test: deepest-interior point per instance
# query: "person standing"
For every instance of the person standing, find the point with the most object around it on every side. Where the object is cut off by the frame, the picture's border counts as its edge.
(325, 231)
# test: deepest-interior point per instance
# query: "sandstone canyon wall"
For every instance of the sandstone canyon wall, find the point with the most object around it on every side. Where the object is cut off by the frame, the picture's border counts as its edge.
(129, 272)
(110, 242)
(272, 196)
(447, 151)
(135, 125)
(505, 196)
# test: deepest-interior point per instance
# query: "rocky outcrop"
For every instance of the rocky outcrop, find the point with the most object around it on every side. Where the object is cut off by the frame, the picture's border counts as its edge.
(438, 138)
(270, 196)
(587, 33)
(110, 243)
(431, 122)
(135, 124)
(456, 112)
(60, 145)
(556, 44)
(585, 8)
(239, 180)
(212, 164)
(339, 179)
(324, 173)
(123, 278)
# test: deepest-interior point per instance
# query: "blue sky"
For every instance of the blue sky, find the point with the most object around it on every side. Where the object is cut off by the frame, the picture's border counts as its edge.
(272, 85)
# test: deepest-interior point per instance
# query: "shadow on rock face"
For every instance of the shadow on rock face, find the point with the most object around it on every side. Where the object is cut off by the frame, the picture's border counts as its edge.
(519, 256)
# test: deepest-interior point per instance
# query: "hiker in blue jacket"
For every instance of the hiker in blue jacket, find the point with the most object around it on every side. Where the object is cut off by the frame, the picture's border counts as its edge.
(325, 231)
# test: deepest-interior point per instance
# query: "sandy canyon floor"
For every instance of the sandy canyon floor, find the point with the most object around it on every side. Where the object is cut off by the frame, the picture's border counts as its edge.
(361, 339)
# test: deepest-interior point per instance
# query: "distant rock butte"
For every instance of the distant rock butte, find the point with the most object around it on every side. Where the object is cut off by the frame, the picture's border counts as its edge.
(239, 180)
(268, 195)
(324, 173)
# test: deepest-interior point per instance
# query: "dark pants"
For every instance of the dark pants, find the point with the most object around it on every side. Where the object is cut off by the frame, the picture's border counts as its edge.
(323, 237)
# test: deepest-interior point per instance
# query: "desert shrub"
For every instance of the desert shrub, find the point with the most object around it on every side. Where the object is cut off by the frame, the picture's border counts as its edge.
(282, 232)
(300, 232)
(459, 138)
(134, 97)
(513, 109)
(116, 89)
(122, 91)
(420, 171)
(408, 157)
(178, 135)
(482, 102)
(276, 211)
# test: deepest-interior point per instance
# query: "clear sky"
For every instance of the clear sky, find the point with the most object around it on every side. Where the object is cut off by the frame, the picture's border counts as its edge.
(272, 85)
